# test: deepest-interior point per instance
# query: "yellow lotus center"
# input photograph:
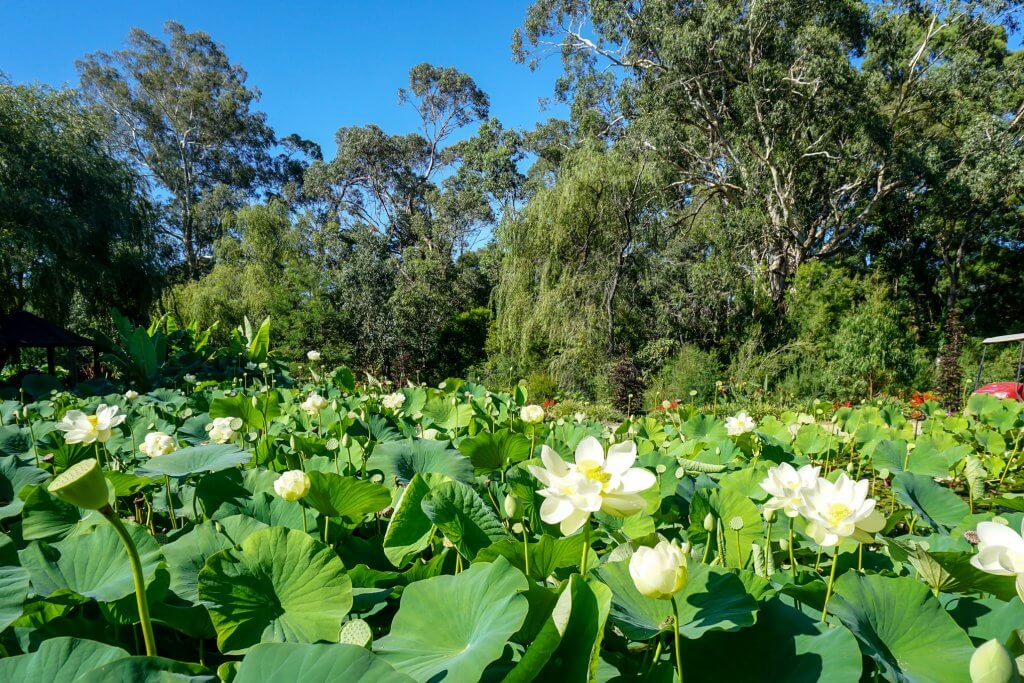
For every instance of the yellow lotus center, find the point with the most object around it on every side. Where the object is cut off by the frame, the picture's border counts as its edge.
(93, 420)
(595, 472)
(837, 512)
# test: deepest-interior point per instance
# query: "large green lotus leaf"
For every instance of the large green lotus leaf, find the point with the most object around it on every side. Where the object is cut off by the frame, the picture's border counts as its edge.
(902, 627)
(463, 517)
(408, 529)
(497, 450)
(187, 554)
(706, 428)
(784, 645)
(148, 670)
(194, 460)
(440, 411)
(732, 507)
(399, 461)
(566, 644)
(315, 662)
(452, 627)
(59, 660)
(986, 618)
(546, 555)
(713, 600)
(281, 585)
(939, 507)
(94, 564)
(255, 417)
(347, 497)
(13, 476)
(892, 456)
(233, 488)
(14, 582)
(48, 518)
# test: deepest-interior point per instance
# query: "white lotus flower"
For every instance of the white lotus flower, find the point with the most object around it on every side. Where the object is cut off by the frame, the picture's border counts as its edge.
(292, 485)
(659, 572)
(251, 367)
(786, 485)
(313, 356)
(314, 403)
(156, 444)
(594, 482)
(739, 424)
(86, 429)
(837, 510)
(531, 414)
(393, 401)
(131, 395)
(189, 378)
(430, 433)
(1000, 550)
(224, 429)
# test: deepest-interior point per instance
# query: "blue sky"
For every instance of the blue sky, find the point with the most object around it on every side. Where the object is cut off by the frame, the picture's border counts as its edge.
(320, 65)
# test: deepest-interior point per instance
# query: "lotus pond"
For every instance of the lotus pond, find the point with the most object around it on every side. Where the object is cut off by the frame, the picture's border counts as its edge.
(259, 530)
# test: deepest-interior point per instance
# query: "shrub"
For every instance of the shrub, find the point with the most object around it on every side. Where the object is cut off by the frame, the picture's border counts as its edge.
(692, 369)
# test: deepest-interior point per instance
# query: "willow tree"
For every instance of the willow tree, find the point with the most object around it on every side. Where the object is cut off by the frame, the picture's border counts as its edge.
(570, 265)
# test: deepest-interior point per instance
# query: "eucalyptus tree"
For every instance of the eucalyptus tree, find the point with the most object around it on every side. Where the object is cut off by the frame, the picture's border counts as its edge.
(187, 118)
(797, 111)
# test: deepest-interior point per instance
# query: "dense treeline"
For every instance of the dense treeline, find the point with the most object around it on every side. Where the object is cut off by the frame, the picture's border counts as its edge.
(806, 198)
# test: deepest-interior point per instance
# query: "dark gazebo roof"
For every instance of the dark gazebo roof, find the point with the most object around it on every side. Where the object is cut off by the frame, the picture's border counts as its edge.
(22, 329)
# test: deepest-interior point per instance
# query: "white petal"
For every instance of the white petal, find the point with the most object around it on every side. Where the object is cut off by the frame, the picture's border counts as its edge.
(589, 453)
(553, 510)
(621, 457)
(573, 522)
(995, 534)
(553, 461)
(623, 505)
(542, 475)
(636, 479)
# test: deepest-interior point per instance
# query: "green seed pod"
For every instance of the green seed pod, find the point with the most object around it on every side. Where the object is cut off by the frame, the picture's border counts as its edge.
(82, 484)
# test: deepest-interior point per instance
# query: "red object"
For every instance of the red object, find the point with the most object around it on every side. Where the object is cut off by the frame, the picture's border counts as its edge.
(1012, 390)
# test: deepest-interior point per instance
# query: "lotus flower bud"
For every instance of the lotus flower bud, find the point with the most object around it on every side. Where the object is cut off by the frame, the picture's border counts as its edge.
(513, 508)
(292, 485)
(709, 522)
(82, 484)
(659, 572)
(531, 414)
(991, 663)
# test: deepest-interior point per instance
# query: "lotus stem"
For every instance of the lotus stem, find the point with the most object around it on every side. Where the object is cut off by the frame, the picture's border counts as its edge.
(170, 504)
(140, 584)
(675, 634)
(586, 547)
(828, 590)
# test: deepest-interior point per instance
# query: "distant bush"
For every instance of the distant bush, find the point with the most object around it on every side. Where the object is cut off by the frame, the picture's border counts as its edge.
(692, 369)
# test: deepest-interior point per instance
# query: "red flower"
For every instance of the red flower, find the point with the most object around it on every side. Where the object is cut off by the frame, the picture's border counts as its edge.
(548, 404)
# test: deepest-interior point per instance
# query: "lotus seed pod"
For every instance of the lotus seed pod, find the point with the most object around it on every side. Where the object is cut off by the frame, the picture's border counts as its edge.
(736, 523)
(356, 632)
(82, 484)
(709, 523)
(991, 663)
(513, 507)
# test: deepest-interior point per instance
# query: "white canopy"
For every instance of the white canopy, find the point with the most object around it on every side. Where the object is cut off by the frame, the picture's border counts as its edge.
(1005, 338)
